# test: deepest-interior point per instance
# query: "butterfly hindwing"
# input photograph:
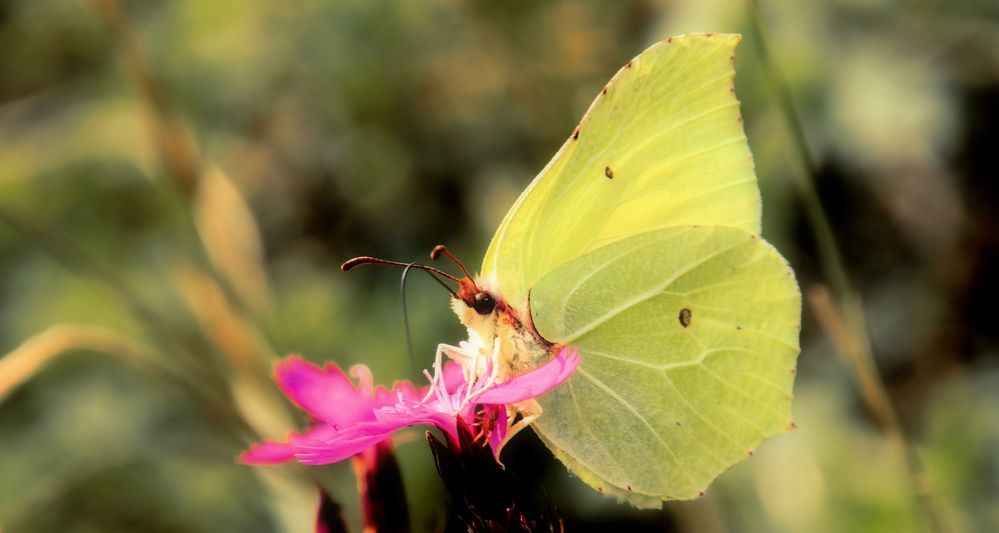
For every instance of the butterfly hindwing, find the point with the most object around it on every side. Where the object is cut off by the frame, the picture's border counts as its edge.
(688, 338)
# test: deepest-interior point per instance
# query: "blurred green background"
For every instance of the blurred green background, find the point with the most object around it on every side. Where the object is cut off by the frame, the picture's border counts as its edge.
(179, 181)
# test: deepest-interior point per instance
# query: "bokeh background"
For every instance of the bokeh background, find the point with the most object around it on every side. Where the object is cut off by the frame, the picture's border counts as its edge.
(179, 181)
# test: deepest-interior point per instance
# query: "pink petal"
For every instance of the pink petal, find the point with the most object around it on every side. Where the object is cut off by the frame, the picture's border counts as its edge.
(454, 376)
(270, 452)
(267, 453)
(534, 383)
(401, 390)
(498, 433)
(417, 413)
(334, 452)
(326, 444)
(325, 393)
(353, 418)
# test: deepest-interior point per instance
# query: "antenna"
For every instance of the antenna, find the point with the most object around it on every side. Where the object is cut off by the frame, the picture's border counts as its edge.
(441, 249)
(433, 272)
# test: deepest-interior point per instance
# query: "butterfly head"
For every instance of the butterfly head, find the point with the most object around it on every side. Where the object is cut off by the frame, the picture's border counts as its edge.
(475, 298)
(470, 293)
(494, 327)
(483, 303)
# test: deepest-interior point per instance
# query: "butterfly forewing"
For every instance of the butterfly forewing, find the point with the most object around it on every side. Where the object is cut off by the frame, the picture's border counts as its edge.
(662, 145)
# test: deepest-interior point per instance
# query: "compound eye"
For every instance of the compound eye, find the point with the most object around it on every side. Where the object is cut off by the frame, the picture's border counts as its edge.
(484, 303)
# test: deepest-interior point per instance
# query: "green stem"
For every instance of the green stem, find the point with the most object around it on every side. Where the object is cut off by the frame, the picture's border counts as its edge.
(804, 181)
(850, 307)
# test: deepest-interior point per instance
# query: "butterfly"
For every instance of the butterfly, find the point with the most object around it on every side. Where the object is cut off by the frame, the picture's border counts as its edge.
(639, 245)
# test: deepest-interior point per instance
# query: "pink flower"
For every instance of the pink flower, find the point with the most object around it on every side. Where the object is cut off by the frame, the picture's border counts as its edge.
(350, 419)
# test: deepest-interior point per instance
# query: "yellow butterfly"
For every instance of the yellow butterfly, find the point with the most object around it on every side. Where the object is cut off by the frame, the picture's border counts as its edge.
(638, 245)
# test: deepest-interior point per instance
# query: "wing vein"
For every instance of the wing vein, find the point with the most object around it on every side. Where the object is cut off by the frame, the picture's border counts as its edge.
(704, 419)
(763, 407)
(643, 296)
(631, 409)
(589, 429)
(596, 235)
(793, 349)
(652, 138)
(570, 185)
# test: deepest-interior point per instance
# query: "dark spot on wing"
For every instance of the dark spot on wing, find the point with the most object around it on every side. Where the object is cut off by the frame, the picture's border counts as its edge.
(685, 317)
(628, 64)
(609, 173)
(575, 133)
(604, 91)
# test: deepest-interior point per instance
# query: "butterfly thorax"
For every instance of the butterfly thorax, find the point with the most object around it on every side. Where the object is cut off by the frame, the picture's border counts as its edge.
(521, 348)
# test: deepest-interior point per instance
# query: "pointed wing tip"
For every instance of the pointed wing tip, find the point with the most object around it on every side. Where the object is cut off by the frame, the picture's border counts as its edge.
(686, 38)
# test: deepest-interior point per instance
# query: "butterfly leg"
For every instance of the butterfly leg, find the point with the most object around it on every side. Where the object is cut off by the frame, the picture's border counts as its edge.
(467, 355)
(529, 411)
(453, 353)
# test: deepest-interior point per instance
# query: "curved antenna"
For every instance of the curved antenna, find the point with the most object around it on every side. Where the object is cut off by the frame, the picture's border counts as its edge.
(350, 264)
(441, 249)
(433, 272)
